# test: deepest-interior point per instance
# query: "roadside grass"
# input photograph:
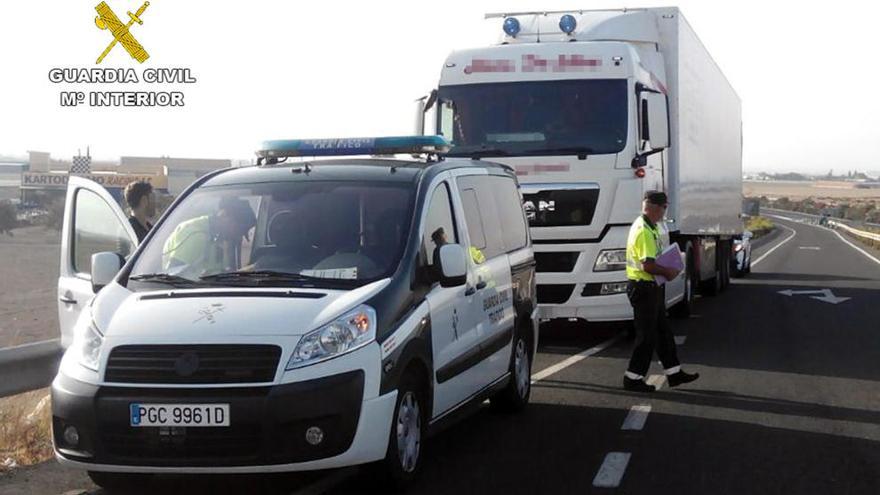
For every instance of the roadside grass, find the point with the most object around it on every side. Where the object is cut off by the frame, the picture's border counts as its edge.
(759, 226)
(25, 429)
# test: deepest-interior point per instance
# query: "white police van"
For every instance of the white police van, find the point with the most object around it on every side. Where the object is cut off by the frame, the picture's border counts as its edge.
(293, 316)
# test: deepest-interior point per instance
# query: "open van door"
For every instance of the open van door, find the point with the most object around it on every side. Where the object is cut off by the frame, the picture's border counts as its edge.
(93, 222)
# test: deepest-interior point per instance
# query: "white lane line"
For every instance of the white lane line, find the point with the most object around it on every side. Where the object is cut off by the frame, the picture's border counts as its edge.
(793, 233)
(544, 373)
(656, 380)
(869, 255)
(611, 472)
(680, 339)
(810, 248)
(636, 418)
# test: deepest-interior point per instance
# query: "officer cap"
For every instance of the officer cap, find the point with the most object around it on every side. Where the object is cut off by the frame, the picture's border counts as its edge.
(656, 197)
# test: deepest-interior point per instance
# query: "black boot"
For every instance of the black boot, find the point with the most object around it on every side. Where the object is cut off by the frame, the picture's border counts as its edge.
(681, 378)
(637, 385)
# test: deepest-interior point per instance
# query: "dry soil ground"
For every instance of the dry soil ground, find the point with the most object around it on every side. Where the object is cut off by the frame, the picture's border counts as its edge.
(800, 190)
(28, 277)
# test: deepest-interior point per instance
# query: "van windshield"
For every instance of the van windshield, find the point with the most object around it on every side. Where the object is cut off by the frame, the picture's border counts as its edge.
(534, 118)
(308, 232)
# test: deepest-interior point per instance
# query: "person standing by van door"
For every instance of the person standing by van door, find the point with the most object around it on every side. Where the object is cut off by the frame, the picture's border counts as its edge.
(142, 203)
(648, 300)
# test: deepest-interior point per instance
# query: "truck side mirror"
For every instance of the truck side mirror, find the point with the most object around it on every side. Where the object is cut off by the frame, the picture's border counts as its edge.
(453, 265)
(657, 120)
(420, 117)
(105, 266)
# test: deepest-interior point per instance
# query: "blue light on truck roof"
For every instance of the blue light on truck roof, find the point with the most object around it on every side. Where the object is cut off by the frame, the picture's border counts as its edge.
(568, 23)
(511, 26)
(354, 146)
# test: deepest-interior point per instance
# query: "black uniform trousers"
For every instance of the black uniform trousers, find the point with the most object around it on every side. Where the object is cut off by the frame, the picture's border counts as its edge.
(652, 329)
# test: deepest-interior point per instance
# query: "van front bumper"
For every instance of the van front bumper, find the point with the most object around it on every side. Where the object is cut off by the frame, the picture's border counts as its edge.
(267, 431)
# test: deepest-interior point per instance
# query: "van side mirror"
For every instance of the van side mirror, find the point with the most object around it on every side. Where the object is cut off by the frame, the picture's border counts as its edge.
(453, 265)
(657, 121)
(105, 266)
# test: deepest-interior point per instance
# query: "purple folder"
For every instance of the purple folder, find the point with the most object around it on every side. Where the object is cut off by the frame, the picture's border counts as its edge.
(669, 258)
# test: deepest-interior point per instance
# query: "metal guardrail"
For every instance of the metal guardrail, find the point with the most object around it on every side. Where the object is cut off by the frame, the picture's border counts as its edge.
(860, 233)
(29, 366)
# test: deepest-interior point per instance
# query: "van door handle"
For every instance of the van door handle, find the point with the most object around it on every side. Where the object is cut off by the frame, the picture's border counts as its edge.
(481, 285)
(67, 300)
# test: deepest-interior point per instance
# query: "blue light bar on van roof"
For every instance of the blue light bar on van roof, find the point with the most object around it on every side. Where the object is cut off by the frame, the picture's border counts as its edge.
(354, 146)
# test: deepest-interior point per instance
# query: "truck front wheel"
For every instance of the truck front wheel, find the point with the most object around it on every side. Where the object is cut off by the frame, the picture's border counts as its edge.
(682, 309)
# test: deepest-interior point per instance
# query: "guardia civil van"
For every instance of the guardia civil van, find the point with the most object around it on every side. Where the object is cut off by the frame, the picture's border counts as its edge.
(294, 315)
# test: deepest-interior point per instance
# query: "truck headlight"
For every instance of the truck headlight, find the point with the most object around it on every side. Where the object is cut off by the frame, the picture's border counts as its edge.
(610, 260)
(87, 342)
(350, 331)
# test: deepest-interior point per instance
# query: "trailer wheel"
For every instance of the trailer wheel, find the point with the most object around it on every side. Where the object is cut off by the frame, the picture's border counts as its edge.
(725, 265)
(712, 286)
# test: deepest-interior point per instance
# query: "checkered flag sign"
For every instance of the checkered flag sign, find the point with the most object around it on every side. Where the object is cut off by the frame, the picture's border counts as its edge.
(81, 165)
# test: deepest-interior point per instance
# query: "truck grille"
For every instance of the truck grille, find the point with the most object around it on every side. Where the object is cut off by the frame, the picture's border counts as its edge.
(193, 364)
(561, 207)
(554, 293)
(555, 262)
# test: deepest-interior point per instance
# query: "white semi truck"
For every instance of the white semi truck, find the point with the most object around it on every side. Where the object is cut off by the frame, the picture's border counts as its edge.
(592, 109)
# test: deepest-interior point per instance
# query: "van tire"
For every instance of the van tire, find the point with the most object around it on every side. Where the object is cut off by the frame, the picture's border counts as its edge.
(403, 458)
(121, 482)
(515, 395)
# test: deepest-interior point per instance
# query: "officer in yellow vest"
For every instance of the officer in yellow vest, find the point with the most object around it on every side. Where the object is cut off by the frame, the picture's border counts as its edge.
(648, 299)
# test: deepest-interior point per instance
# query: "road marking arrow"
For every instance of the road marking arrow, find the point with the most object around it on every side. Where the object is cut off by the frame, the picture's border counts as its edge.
(827, 295)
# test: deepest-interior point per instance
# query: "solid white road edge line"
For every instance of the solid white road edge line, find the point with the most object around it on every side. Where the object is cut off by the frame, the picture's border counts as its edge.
(869, 255)
(857, 248)
(565, 363)
(611, 472)
(636, 418)
(774, 248)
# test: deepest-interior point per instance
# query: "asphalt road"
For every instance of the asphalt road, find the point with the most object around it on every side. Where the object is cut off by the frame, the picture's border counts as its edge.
(788, 401)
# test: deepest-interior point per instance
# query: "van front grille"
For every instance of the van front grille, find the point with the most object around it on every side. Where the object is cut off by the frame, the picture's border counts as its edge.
(194, 364)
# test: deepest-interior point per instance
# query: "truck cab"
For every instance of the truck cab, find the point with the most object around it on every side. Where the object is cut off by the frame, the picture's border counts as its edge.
(294, 315)
(585, 106)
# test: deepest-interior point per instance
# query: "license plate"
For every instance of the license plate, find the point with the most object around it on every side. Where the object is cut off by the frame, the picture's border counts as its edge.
(179, 414)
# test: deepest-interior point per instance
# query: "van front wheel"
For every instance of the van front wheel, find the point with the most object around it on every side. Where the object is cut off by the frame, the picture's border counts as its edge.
(515, 396)
(405, 443)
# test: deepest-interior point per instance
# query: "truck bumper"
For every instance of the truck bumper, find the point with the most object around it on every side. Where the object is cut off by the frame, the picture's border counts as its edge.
(599, 309)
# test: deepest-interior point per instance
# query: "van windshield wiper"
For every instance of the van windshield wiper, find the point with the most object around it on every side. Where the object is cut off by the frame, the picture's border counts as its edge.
(270, 276)
(165, 278)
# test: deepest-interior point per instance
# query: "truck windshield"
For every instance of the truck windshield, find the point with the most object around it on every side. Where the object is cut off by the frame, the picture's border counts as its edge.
(535, 118)
(309, 232)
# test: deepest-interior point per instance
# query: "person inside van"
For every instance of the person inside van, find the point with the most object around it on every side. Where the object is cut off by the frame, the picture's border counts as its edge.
(142, 202)
(209, 244)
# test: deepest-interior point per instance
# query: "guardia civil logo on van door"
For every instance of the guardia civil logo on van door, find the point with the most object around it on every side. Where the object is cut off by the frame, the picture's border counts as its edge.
(108, 21)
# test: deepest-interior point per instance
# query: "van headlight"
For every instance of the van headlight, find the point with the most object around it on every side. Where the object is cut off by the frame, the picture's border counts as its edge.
(87, 343)
(610, 260)
(350, 331)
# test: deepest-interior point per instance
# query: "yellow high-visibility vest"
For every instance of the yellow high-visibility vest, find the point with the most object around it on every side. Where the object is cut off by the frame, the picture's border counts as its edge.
(642, 243)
